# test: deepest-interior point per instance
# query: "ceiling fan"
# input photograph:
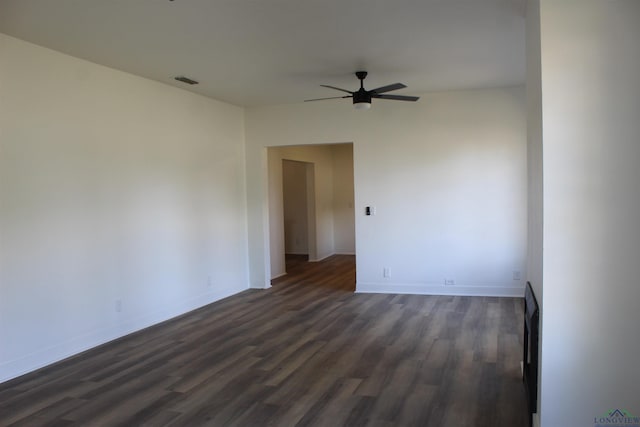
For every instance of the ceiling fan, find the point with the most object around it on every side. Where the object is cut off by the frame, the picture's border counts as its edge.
(362, 97)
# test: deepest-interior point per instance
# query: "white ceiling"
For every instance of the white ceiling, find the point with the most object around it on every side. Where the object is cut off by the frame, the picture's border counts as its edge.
(259, 52)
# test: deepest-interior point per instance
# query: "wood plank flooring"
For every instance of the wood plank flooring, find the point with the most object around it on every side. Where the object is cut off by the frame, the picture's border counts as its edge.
(307, 352)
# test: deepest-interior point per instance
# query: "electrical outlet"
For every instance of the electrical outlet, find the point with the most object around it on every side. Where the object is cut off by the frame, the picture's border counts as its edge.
(209, 281)
(118, 305)
(517, 275)
(449, 282)
(386, 272)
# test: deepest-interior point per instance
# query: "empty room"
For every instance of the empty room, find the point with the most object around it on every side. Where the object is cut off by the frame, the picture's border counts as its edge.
(336, 213)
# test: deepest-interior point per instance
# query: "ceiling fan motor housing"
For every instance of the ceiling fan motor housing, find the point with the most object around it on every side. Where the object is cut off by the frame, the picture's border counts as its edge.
(362, 96)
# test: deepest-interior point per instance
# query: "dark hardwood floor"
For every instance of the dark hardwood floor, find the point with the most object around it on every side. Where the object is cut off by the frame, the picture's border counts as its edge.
(307, 352)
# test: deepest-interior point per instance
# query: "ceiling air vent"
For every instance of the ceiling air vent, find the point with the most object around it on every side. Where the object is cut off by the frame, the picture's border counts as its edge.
(186, 80)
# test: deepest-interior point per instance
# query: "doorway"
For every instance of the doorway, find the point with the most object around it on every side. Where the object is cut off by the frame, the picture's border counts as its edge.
(310, 202)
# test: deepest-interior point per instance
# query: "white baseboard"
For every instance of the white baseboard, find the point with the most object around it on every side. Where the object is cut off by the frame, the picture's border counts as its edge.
(435, 289)
(322, 258)
(276, 276)
(63, 350)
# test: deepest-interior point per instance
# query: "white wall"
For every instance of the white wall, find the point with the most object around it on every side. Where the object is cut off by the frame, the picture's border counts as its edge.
(534, 166)
(591, 136)
(447, 176)
(112, 187)
(344, 227)
(275, 217)
(294, 194)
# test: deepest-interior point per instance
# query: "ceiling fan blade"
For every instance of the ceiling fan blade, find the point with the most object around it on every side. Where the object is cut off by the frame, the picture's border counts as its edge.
(389, 88)
(337, 88)
(331, 97)
(396, 97)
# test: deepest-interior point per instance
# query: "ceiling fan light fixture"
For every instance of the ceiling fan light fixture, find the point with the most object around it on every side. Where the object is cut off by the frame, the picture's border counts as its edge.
(361, 100)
